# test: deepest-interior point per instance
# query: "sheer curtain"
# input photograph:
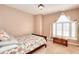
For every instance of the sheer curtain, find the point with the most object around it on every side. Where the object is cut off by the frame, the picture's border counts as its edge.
(63, 27)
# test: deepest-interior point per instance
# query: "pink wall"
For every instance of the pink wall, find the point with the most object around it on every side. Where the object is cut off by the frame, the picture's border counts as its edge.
(38, 24)
(16, 22)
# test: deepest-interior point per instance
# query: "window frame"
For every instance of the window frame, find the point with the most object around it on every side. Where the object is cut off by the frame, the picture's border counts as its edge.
(70, 29)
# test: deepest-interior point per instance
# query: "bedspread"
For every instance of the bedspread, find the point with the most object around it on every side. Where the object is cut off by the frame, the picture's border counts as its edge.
(26, 44)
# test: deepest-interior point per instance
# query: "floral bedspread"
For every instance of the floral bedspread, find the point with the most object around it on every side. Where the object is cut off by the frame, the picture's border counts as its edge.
(27, 44)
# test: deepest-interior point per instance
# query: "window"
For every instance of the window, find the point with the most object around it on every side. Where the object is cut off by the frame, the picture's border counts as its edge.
(64, 28)
(59, 29)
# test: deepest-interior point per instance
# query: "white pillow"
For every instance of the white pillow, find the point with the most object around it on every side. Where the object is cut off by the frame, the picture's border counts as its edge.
(10, 42)
(3, 49)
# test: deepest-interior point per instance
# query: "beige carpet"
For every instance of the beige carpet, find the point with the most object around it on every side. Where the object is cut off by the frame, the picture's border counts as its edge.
(53, 48)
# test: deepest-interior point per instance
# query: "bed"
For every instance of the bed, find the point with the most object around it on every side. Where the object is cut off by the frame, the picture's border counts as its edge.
(32, 42)
(26, 44)
(44, 42)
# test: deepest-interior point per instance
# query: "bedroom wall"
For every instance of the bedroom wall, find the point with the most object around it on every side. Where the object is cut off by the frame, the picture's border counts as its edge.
(50, 18)
(15, 21)
(38, 19)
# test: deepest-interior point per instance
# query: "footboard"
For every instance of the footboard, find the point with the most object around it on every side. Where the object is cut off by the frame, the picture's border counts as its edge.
(40, 36)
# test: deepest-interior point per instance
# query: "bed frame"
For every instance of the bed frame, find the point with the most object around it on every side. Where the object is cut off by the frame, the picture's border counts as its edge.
(39, 46)
(40, 36)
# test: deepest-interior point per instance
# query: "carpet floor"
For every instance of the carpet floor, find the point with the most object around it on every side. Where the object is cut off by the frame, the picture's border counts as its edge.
(53, 48)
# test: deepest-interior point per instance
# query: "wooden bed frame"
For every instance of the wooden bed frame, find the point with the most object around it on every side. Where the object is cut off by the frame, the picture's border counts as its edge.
(39, 46)
(40, 36)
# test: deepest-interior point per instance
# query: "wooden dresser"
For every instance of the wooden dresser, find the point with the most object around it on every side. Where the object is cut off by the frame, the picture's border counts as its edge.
(60, 41)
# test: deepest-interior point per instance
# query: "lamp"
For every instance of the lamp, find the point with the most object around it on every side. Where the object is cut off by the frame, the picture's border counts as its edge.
(40, 6)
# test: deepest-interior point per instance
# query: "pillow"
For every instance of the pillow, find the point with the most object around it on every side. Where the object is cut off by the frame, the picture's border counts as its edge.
(10, 42)
(3, 35)
(3, 49)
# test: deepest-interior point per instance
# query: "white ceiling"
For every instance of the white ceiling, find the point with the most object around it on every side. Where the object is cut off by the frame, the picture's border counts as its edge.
(49, 8)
